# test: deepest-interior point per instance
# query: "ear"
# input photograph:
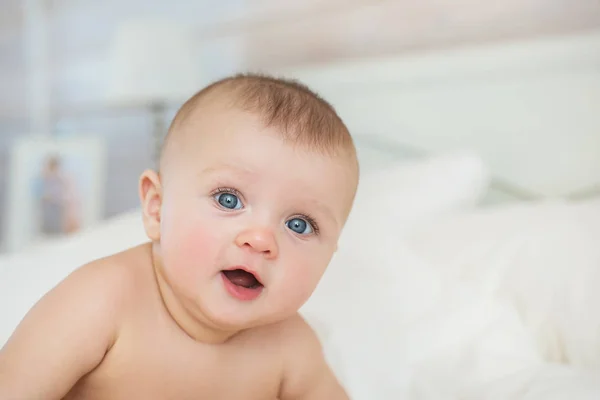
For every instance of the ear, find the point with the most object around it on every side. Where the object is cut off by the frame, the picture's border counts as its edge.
(151, 199)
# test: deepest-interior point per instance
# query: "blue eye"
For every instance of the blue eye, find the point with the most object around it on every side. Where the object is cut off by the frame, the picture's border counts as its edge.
(300, 226)
(228, 200)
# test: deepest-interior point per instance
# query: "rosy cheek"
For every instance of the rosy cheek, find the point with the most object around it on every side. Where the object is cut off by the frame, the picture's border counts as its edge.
(189, 247)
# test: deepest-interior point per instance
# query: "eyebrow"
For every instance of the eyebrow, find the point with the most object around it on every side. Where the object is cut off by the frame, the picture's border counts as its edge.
(324, 210)
(227, 167)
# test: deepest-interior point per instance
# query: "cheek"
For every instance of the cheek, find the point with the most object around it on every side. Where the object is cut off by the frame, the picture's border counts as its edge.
(189, 246)
(302, 276)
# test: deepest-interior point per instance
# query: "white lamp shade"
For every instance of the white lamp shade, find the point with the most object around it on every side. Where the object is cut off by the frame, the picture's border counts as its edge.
(153, 60)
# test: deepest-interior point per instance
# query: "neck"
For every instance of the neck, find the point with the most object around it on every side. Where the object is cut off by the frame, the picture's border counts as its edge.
(193, 324)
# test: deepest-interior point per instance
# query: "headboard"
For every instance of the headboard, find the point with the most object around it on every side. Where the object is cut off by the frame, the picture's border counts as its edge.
(530, 109)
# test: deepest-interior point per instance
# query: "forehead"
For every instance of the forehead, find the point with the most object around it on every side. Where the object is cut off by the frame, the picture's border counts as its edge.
(236, 142)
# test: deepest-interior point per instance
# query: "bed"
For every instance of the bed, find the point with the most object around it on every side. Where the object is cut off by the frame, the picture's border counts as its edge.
(481, 280)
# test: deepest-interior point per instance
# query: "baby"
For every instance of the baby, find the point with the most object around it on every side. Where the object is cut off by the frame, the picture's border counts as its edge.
(257, 177)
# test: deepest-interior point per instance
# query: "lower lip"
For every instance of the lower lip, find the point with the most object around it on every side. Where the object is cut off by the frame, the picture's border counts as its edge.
(240, 292)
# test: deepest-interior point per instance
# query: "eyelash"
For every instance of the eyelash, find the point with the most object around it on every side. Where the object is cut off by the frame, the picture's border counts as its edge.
(227, 190)
(237, 193)
(310, 220)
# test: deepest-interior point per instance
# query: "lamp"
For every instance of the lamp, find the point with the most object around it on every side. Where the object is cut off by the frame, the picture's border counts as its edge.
(153, 64)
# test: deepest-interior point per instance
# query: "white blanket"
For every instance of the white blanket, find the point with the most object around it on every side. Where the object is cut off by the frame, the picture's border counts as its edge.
(498, 304)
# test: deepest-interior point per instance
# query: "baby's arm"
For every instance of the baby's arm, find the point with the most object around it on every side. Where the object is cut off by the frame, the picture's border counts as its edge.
(63, 337)
(307, 375)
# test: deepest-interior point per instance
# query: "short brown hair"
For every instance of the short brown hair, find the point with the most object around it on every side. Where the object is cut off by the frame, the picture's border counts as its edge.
(303, 117)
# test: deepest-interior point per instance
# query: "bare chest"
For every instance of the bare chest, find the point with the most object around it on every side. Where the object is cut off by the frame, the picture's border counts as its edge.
(156, 367)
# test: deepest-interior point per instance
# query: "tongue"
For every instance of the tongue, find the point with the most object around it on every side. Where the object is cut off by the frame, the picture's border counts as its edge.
(242, 278)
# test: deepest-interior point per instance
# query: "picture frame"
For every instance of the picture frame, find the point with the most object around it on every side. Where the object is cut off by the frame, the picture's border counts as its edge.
(56, 187)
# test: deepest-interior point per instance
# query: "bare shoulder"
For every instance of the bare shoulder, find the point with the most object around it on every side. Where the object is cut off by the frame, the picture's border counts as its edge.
(306, 372)
(298, 337)
(111, 279)
(299, 342)
(293, 336)
(102, 287)
(69, 330)
(126, 270)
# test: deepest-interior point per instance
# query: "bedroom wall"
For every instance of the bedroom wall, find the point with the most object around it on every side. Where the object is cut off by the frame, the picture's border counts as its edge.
(79, 38)
(262, 34)
(233, 35)
(12, 86)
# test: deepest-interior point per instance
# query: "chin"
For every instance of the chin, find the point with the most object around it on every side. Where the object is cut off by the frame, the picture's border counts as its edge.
(235, 323)
(238, 319)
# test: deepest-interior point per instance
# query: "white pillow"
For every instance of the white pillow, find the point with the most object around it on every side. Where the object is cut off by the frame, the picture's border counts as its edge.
(388, 201)
(401, 195)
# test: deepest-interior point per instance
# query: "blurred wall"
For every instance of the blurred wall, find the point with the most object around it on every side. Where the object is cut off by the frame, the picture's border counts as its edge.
(13, 119)
(233, 35)
(323, 30)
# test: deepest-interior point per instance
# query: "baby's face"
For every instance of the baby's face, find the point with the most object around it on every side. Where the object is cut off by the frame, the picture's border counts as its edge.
(248, 222)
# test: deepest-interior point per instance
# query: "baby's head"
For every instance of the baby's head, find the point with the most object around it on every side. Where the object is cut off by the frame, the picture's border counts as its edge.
(257, 177)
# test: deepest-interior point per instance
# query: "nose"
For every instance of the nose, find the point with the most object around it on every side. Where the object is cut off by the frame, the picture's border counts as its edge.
(260, 240)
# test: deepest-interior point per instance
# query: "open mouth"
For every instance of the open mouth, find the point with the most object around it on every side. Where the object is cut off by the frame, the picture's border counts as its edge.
(241, 284)
(242, 278)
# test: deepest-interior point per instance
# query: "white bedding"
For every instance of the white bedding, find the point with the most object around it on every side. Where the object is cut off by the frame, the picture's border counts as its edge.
(495, 304)
(428, 298)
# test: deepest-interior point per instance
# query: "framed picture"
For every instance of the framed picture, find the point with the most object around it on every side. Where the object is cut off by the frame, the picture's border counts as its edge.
(55, 188)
